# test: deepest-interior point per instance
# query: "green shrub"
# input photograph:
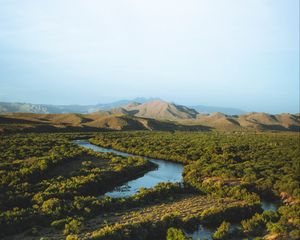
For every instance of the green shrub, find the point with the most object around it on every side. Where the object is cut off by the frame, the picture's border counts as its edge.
(72, 237)
(256, 225)
(222, 231)
(58, 224)
(73, 227)
(175, 234)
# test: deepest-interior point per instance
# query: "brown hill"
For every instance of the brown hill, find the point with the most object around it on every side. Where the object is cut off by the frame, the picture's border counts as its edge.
(250, 121)
(157, 109)
(218, 121)
(154, 115)
(116, 123)
(85, 122)
(266, 121)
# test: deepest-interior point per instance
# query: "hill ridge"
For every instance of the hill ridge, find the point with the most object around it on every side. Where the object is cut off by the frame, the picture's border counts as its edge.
(6, 107)
(116, 121)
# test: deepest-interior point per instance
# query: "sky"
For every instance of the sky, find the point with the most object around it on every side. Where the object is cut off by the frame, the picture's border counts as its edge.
(231, 53)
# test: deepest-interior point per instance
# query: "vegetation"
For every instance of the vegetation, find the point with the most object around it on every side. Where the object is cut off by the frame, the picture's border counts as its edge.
(49, 182)
(45, 187)
(175, 234)
(154, 221)
(235, 164)
(256, 225)
(223, 231)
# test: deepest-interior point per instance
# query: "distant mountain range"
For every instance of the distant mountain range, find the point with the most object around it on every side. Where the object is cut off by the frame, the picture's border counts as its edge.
(225, 110)
(6, 107)
(150, 115)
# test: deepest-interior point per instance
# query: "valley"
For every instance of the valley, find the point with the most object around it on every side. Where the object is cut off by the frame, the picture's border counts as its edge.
(149, 120)
(63, 185)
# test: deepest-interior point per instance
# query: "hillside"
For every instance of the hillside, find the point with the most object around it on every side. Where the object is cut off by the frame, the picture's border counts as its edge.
(100, 121)
(249, 121)
(18, 107)
(211, 109)
(158, 109)
(6, 107)
(140, 117)
(153, 115)
(162, 110)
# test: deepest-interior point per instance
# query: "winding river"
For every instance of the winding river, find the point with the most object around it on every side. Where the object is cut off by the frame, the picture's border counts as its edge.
(165, 172)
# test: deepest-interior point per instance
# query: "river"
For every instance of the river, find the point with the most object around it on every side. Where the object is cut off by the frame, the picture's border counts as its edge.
(165, 172)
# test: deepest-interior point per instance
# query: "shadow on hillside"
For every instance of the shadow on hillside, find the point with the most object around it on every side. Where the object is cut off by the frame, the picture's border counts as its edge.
(281, 128)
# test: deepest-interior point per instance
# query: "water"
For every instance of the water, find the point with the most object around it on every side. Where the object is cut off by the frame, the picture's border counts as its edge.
(205, 233)
(166, 172)
(266, 205)
(201, 233)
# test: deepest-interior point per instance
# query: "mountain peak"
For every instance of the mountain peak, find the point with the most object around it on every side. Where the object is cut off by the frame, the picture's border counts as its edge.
(159, 109)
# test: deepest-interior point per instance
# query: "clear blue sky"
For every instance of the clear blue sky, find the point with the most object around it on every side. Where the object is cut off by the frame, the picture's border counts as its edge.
(231, 53)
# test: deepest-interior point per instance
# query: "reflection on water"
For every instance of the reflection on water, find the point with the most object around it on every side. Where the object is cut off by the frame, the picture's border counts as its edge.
(201, 233)
(166, 172)
(206, 233)
(272, 206)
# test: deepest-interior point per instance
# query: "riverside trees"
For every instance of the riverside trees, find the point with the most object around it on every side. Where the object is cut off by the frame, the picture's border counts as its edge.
(54, 179)
(46, 180)
(235, 164)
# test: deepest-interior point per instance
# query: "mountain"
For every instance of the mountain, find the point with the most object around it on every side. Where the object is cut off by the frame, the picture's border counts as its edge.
(102, 121)
(218, 121)
(56, 109)
(22, 107)
(153, 115)
(157, 109)
(44, 108)
(225, 110)
(250, 121)
(6, 107)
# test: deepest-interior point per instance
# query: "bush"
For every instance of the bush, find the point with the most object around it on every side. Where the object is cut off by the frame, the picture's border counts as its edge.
(72, 237)
(52, 207)
(256, 225)
(223, 231)
(58, 224)
(73, 227)
(175, 234)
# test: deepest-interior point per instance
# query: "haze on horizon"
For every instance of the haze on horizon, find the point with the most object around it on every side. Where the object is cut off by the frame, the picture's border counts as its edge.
(233, 53)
